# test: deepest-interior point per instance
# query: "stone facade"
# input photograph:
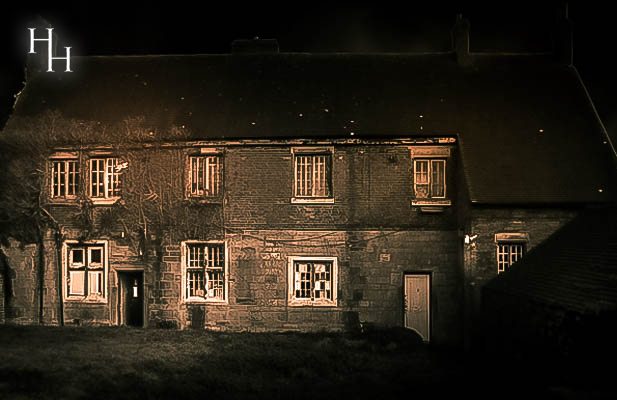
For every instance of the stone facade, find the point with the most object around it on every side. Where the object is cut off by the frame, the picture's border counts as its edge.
(370, 228)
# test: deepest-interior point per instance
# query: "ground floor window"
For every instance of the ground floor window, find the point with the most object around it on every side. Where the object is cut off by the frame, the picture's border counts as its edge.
(204, 265)
(312, 281)
(508, 254)
(86, 272)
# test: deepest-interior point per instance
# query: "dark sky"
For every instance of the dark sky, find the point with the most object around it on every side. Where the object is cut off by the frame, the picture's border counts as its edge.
(107, 28)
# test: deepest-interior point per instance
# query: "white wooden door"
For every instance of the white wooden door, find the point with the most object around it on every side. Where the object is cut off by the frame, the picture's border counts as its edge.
(418, 305)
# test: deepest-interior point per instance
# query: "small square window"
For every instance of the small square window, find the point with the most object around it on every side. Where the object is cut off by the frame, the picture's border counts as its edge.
(429, 178)
(508, 253)
(312, 281)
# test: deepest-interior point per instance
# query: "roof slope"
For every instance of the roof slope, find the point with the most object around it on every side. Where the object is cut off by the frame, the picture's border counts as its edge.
(526, 131)
(576, 268)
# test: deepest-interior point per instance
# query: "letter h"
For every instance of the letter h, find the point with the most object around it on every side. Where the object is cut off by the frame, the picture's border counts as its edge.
(50, 49)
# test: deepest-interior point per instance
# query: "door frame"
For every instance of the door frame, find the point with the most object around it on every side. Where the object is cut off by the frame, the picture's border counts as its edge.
(120, 300)
(429, 275)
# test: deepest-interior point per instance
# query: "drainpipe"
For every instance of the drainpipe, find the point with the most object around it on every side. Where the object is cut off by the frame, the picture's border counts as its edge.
(58, 240)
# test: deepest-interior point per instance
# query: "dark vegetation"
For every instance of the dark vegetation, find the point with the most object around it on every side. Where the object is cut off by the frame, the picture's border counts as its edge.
(122, 363)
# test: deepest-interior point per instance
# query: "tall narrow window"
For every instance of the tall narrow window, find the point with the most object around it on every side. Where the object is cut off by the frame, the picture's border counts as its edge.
(64, 178)
(205, 175)
(312, 176)
(205, 271)
(85, 272)
(508, 254)
(429, 178)
(105, 177)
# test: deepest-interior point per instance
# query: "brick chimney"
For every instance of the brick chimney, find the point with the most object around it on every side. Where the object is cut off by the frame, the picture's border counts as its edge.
(563, 37)
(460, 41)
(254, 46)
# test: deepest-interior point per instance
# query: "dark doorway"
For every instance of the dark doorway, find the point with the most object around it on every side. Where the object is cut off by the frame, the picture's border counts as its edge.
(131, 298)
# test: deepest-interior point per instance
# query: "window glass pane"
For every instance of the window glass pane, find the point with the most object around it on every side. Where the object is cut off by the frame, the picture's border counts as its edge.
(76, 282)
(303, 280)
(195, 283)
(437, 178)
(95, 282)
(313, 175)
(96, 256)
(77, 257)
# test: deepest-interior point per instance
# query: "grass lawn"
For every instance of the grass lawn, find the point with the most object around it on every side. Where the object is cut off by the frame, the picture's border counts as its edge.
(111, 363)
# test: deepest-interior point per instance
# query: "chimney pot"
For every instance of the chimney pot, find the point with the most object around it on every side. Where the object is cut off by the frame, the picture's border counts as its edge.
(460, 40)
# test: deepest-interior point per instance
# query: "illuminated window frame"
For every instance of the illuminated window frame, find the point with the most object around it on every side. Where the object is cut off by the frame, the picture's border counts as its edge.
(201, 271)
(425, 173)
(81, 264)
(105, 181)
(64, 178)
(205, 175)
(312, 175)
(302, 271)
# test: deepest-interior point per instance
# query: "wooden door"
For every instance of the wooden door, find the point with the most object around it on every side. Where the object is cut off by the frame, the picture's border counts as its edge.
(418, 305)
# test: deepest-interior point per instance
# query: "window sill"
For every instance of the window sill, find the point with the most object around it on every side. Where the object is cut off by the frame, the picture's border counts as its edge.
(205, 200)
(199, 300)
(431, 202)
(62, 200)
(86, 300)
(102, 201)
(309, 200)
(308, 303)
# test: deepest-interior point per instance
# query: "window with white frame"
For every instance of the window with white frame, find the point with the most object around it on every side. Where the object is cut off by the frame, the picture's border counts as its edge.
(204, 271)
(64, 178)
(508, 253)
(105, 177)
(205, 175)
(429, 178)
(312, 175)
(85, 273)
(312, 281)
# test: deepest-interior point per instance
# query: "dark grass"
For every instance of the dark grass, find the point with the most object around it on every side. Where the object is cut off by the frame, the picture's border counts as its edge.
(123, 363)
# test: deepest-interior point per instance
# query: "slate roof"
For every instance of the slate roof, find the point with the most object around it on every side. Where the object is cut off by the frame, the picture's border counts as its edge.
(576, 268)
(526, 131)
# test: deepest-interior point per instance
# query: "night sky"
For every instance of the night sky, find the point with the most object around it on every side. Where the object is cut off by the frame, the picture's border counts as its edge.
(181, 28)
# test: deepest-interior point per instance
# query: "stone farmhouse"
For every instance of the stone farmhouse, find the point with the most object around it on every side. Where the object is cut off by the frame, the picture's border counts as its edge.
(262, 190)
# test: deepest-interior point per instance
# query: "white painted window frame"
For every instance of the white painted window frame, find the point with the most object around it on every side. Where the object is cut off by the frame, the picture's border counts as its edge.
(515, 241)
(65, 177)
(87, 247)
(108, 179)
(429, 161)
(293, 301)
(329, 174)
(184, 260)
(205, 154)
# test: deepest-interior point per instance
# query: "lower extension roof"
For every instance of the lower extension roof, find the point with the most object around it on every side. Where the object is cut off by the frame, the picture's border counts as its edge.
(575, 269)
(526, 131)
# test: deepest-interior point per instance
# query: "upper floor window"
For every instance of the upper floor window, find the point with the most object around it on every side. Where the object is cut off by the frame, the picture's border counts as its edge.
(205, 173)
(105, 177)
(85, 274)
(429, 178)
(64, 178)
(313, 176)
(204, 271)
(312, 281)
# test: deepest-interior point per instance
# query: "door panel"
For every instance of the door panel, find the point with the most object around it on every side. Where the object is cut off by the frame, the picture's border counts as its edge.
(417, 304)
